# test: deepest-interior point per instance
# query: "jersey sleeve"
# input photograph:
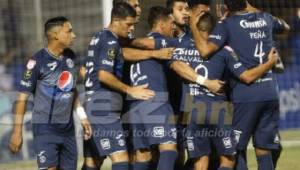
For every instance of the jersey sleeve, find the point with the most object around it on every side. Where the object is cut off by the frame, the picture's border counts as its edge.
(219, 35)
(166, 42)
(278, 24)
(30, 76)
(232, 62)
(106, 54)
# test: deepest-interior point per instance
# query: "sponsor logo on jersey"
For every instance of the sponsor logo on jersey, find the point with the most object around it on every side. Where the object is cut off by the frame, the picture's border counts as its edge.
(52, 66)
(112, 42)
(109, 63)
(94, 41)
(218, 37)
(164, 43)
(253, 24)
(237, 65)
(65, 81)
(26, 84)
(158, 132)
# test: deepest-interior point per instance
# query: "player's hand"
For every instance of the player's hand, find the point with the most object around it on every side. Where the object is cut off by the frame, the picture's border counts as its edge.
(15, 142)
(273, 56)
(87, 129)
(163, 54)
(141, 92)
(215, 86)
(222, 12)
(195, 16)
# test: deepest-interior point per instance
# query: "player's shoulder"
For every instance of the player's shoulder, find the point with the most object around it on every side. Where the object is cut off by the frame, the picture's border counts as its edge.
(39, 55)
(36, 59)
(228, 51)
(104, 36)
(69, 53)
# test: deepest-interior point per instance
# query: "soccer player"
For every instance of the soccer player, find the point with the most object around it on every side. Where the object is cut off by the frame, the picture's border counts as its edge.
(104, 88)
(135, 4)
(256, 107)
(181, 11)
(50, 77)
(217, 67)
(142, 113)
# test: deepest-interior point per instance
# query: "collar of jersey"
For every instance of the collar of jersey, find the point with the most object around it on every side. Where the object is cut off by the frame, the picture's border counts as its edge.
(244, 13)
(50, 54)
(115, 35)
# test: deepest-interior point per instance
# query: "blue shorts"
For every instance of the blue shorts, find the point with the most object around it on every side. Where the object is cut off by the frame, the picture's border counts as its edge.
(56, 151)
(103, 110)
(257, 119)
(106, 140)
(151, 124)
(203, 135)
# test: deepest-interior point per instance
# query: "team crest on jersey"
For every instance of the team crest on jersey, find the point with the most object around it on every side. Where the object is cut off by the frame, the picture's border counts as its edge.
(121, 142)
(65, 81)
(111, 54)
(70, 63)
(190, 145)
(105, 144)
(227, 142)
(30, 65)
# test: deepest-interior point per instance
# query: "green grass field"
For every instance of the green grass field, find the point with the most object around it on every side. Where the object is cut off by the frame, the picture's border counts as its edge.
(289, 159)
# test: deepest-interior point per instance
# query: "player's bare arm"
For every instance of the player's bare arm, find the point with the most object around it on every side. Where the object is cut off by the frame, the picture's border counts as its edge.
(253, 74)
(144, 43)
(205, 47)
(186, 72)
(16, 138)
(85, 123)
(132, 54)
(137, 92)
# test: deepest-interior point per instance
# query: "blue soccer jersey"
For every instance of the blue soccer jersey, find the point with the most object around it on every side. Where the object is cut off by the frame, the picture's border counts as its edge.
(104, 53)
(250, 35)
(214, 68)
(152, 71)
(52, 82)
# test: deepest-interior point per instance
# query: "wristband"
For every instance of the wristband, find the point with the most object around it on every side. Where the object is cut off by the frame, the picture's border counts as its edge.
(81, 113)
(200, 80)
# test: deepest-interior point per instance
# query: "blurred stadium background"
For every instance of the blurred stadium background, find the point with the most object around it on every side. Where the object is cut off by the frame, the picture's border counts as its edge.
(21, 34)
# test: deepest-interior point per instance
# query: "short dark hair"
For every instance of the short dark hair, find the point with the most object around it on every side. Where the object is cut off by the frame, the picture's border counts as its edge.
(193, 3)
(157, 13)
(54, 22)
(207, 22)
(118, 1)
(236, 5)
(123, 10)
(170, 3)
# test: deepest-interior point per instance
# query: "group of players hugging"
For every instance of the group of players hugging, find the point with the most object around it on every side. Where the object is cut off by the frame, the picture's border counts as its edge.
(194, 84)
